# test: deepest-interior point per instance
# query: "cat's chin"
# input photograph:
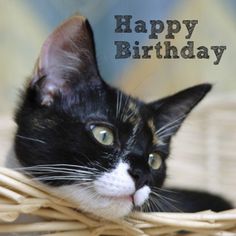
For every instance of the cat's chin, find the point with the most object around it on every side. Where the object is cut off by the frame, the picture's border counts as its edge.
(89, 201)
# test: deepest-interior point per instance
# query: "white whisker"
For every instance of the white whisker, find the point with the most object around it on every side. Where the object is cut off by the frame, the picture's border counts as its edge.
(30, 139)
(161, 134)
(170, 124)
(165, 201)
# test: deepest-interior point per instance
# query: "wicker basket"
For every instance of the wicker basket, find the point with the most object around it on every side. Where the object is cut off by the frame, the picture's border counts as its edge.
(206, 144)
(210, 162)
(20, 195)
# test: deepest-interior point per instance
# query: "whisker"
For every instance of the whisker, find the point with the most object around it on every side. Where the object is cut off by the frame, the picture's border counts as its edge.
(59, 166)
(154, 205)
(163, 189)
(164, 197)
(119, 102)
(30, 139)
(63, 170)
(165, 200)
(170, 124)
(55, 178)
(168, 129)
(166, 135)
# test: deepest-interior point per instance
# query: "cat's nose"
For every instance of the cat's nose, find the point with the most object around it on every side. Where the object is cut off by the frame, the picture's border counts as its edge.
(140, 179)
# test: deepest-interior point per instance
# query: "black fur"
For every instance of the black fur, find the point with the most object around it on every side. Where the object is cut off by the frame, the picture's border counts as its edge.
(194, 201)
(53, 125)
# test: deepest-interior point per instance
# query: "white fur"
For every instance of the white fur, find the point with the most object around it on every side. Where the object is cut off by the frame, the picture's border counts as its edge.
(110, 196)
(141, 195)
(116, 183)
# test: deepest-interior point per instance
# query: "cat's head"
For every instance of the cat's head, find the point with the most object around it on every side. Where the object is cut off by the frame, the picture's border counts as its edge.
(93, 143)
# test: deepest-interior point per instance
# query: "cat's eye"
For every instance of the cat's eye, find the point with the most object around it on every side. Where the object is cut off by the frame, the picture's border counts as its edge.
(102, 134)
(154, 161)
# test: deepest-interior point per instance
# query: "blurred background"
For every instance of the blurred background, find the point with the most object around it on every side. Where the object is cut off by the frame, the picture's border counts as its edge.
(203, 153)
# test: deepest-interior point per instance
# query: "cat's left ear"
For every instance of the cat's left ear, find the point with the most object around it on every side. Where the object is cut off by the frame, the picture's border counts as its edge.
(67, 58)
(170, 112)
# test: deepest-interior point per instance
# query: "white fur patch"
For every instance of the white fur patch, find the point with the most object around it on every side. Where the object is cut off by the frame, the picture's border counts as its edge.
(111, 196)
(89, 200)
(116, 183)
(141, 195)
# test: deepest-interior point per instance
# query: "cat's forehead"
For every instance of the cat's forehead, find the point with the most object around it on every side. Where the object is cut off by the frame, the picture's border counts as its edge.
(124, 112)
(128, 109)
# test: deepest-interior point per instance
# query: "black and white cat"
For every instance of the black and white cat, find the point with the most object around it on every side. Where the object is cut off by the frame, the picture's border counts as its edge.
(94, 144)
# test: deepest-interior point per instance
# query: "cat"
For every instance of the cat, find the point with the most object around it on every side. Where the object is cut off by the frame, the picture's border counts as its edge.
(94, 144)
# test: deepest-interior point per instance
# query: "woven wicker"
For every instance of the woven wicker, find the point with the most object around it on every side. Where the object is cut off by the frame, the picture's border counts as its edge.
(20, 195)
(206, 146)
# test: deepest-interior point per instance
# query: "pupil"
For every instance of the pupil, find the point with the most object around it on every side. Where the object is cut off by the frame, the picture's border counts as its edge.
(104, 135)
(152, 160)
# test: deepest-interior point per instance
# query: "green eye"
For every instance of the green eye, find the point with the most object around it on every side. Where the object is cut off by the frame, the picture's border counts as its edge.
(103, 135)
(154, 161)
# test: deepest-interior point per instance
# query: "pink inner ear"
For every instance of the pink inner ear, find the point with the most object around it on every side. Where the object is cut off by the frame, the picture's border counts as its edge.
(61, 46)
(61, 57)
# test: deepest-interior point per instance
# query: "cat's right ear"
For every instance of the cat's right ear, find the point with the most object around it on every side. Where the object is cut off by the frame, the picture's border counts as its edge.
(67, 58)
(171, 111)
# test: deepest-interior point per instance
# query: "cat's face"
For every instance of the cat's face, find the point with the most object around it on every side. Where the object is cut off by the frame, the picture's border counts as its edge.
(92, 143)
